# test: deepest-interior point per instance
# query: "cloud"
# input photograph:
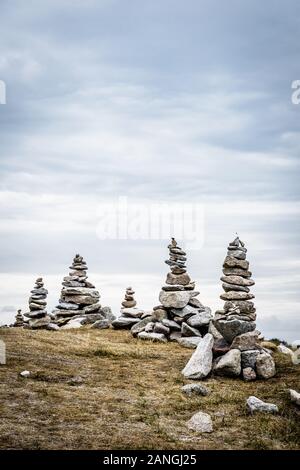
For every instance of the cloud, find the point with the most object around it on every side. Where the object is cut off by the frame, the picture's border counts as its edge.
(173, 102)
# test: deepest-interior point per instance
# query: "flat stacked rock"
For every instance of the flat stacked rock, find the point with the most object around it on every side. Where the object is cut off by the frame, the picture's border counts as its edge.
(19, 322)
(130, 314)
(239, 351)
(38, 317)
(79, 301)
(180, 316)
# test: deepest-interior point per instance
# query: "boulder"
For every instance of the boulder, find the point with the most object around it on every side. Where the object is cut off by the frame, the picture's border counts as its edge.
(200, 422)
(157, 337)
(124, 322)
(256, 405)
(265, 366)
(194, 389)
(229, 364)
(200, 364)
(249, 358)
(229, 329)
(174, 299)
(246, 341)
(133, 312)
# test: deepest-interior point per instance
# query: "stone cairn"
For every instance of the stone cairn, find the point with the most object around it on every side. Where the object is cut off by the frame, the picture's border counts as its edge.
(19, 323)
(130, 314)
(180, 316)
(79, 302)
(236, 322)
(233, 349)
(38, 317)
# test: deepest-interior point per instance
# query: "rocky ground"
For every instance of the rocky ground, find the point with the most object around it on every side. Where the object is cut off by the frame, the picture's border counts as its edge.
(92, 389)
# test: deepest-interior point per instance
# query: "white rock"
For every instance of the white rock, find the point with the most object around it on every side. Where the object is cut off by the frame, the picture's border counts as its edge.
(200, 364)
(295, 396)
(255, 404)
(174, 299)
(157, 337)
(133, 312)
(265, 366)
(200, 422)
(283, 349)
(25, 373)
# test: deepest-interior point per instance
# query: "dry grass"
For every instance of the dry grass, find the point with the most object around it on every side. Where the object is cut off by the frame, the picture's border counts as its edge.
(130, 397)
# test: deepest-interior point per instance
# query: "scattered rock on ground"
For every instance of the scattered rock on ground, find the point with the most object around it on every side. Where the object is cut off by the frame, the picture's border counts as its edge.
(200, 422)
(255, 404)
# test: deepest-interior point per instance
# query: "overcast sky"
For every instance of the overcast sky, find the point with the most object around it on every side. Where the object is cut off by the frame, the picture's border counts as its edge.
(185, 102)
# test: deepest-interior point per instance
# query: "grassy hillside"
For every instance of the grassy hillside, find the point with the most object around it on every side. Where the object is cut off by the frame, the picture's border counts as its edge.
(129, 397)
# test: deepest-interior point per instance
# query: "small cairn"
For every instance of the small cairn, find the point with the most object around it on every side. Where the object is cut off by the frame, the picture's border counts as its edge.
(79, 301)
(19, 323)
(38, 317)
(180, 316)
(239, 352)
(130, 314)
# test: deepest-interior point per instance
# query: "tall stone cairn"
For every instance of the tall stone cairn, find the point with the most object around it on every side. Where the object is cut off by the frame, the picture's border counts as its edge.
(79, 299)
(180, 316)
(19, 322)
(130, 314)
(38, 317)
(239, 351)
(129, 301)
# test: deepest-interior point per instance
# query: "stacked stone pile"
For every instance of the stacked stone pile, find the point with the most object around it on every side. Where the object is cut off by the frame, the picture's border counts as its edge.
(79, 301)
(180, 316)
(239, 352)
(38, 317)
(19, 322)
(130, 314)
